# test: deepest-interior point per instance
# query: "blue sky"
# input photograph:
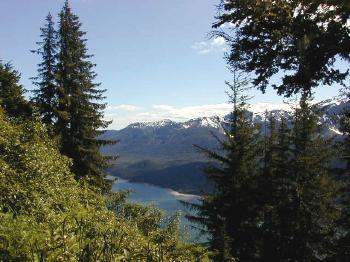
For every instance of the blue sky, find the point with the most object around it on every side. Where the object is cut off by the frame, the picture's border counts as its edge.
(154, 57)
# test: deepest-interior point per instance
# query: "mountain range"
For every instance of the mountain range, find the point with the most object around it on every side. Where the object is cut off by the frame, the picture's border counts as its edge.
(163, 152)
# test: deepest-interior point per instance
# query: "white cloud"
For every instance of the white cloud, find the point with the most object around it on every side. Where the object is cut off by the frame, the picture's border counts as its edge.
(262, 107)
(129, 108)
(204, 51)
(217, 44)
(185, 113)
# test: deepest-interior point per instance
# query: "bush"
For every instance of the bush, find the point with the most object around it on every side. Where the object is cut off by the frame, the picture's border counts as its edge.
(46, 215)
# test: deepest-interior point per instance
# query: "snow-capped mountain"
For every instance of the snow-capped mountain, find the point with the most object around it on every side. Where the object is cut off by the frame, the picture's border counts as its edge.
(257, 112)
(197, 122)
(162, 152)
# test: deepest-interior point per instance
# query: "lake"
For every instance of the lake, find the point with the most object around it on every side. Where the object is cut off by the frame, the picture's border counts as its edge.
(164, 198)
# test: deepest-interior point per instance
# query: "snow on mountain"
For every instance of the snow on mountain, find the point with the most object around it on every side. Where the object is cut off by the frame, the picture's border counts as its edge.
(156, 124)
(330, 117)
(192, 123)
(162, 152)
(211, 122)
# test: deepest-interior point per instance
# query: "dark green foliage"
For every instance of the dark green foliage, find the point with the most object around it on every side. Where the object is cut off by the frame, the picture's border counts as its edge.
(231, 213)
(315, 191)
(267, 184)
(275, 184)
(68, 98)
(275, 198)
(45, 96)
(46, 215)
(343, 245)
(12, 93)
(300, 38)
(301, 204)
(300, 209)
(79, 115)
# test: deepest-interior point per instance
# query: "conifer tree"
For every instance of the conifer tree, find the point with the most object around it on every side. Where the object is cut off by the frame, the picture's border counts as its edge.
(343, 244)
(297, 189)
(269, 194)
(311, 190)
(79, 113)
(12, 98)
(231, 213)
(303, 38)
(277, 191)
(278, 229)
(45, 96)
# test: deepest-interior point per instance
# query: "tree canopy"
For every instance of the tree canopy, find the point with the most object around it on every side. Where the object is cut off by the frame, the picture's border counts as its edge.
(12, 98)
(45, 96)
(298, 42)
(68, 98)
(46, 215)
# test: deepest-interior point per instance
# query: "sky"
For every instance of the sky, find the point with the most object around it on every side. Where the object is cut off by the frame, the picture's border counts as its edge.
(154, 57)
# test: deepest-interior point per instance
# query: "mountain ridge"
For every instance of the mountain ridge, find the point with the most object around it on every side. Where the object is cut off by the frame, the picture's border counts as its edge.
(162, 152)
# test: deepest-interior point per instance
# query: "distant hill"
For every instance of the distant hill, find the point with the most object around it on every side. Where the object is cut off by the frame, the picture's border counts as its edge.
(162, 152)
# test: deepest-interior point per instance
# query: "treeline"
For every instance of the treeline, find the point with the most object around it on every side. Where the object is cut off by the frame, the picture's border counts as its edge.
(55, 201)
(282, 194)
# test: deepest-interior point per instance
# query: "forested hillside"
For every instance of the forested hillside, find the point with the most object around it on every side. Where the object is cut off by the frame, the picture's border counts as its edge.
(55, 200)
(275, 185)
(163, 153)
(46, 215)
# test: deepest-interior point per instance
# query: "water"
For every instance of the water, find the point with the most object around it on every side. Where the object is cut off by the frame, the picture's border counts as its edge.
(163, 198)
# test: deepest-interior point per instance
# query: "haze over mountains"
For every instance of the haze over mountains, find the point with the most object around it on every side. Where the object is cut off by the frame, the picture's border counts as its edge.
(163, 153)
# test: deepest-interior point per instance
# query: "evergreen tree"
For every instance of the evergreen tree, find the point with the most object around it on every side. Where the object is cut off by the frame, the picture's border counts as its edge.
(303, 38)
(45, 96)
(278, 207)
(267, 182)
(343, 244)
(232, 213)
(12, 98)
(297, 189)
(310, 189)
(79, 113)
(278, 228)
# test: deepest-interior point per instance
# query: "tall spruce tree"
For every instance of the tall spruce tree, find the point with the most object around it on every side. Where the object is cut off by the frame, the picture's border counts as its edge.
(79, 113)
(232, 213)
(267, 182)
(298, 191)
(278, 228)
(12, 98)
(311, 190)
(45, 96)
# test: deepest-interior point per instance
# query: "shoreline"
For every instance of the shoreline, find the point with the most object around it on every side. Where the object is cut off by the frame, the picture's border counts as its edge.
(184, 196)
(175, 194)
